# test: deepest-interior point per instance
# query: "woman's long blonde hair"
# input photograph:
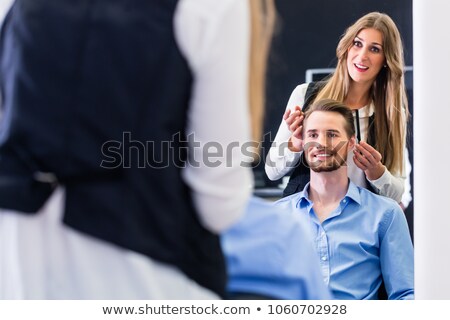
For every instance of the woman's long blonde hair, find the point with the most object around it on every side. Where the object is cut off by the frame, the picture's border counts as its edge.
(387, 93)
(262, 24)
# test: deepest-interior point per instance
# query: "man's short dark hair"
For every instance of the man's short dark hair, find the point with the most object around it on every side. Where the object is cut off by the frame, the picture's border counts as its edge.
(329, 105)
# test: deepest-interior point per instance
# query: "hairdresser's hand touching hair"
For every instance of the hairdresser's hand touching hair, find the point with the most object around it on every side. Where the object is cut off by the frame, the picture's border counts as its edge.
(294, 121)
(368, 159)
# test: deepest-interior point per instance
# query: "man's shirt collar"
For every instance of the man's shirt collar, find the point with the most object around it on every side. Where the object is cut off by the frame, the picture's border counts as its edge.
(352, 194)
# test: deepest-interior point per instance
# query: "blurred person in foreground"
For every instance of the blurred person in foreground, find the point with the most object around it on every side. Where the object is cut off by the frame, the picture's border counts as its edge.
(108, 109)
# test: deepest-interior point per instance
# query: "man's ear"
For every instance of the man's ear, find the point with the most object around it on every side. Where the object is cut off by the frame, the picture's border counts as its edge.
(351, 142)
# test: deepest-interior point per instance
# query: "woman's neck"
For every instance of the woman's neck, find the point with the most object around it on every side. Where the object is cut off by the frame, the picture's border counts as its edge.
(358, 96)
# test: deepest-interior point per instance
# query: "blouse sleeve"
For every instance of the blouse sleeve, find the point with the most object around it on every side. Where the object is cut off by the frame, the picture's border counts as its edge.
(214, 38)
(280, 159)
(397, 187)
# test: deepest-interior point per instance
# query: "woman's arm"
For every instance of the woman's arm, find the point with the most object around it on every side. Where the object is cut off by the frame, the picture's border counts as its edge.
(396, 187)
(384, 182)
(280, 159)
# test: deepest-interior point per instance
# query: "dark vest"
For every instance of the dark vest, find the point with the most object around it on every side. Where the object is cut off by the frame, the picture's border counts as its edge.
(96, 93)
(301, 174)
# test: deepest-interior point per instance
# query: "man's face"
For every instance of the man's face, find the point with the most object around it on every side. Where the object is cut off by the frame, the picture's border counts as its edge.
(326, 142)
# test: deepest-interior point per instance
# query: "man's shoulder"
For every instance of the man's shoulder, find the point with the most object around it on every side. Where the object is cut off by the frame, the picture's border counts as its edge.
(265, 225)
(291, 200)
(266, 214)
(376, 201)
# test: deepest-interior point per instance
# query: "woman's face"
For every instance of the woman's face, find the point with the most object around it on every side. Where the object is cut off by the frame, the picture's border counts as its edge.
(365, 57)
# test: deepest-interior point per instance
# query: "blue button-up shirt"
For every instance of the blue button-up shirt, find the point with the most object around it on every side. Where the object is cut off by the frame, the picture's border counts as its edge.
(270, 253)
(363, 241)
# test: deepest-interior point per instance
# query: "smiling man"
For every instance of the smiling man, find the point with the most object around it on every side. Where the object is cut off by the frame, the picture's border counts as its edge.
(361, 238)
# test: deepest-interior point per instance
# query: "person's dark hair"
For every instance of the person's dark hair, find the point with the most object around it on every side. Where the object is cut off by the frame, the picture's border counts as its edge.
(329, 105)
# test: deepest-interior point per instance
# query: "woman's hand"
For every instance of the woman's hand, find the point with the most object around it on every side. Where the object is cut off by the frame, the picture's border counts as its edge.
(368, 159)
(294, 121)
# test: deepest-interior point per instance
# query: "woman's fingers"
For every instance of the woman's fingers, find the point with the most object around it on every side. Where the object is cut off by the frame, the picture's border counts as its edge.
(298, 133)
(362, 159)
(296, 124)
(359, 164)
(374, 152)
(366, 152)
(293, 118)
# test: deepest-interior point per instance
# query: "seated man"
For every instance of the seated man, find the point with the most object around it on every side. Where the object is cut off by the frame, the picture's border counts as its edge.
(361, 238)
(270, 255)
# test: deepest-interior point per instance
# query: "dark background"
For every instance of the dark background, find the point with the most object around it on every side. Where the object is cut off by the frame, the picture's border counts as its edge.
(306, 37)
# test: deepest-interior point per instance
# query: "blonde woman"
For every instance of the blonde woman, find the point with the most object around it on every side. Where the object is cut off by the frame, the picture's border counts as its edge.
(369, 79)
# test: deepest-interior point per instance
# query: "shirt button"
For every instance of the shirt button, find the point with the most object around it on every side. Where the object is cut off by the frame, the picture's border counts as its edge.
(344, 201)
(324, 258)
